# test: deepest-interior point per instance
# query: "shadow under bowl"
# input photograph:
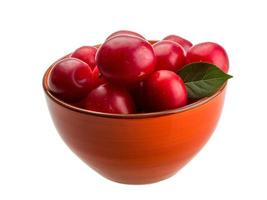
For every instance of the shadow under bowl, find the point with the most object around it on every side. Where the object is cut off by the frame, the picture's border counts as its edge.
(136, 148)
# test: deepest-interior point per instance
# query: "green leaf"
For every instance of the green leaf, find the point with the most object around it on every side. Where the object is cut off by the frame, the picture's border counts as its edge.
(202, 79)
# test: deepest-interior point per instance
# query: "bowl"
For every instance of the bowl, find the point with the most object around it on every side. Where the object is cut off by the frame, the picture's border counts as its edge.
(136, 148)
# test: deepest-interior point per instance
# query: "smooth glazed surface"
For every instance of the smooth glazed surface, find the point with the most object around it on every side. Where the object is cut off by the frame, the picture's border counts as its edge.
(136, 148)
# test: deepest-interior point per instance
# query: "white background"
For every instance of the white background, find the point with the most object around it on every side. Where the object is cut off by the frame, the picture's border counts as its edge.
(36, 164)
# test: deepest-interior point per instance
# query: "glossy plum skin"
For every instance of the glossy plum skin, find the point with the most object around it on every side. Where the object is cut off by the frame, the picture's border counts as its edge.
(177, 39)
(108, 98)
(125, 59)
(164, 90)
(98, 78)
(169, 55)
(70, 79)
(86, 54)
(209, 52)
(125, 32)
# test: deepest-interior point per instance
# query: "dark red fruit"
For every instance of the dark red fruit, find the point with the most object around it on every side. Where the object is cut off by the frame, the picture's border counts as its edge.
(110, 99)
(170, 55)
(125, 59)
(79, 104)
(70, 79)
(86, 54)
(125, 32)
(209, 52)
(98, 78)
(138, 96)
(164, 90)
(183, 42)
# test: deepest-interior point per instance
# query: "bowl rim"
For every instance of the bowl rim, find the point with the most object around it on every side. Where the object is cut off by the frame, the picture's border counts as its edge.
(125, 116)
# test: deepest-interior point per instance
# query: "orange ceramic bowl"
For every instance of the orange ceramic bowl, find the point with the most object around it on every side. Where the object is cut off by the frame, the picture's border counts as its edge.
(136, 148)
